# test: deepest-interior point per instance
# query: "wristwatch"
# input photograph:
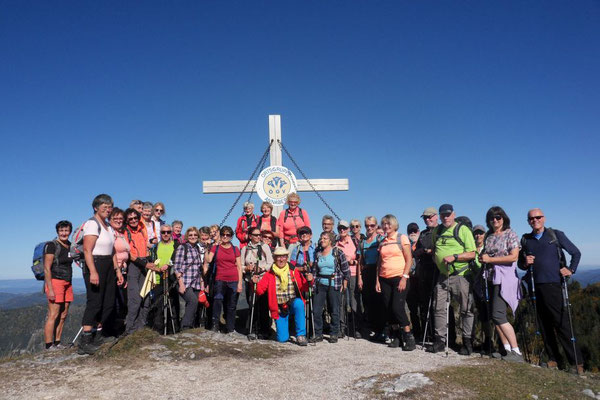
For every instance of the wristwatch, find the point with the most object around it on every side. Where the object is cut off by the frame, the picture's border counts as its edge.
(405, 276)
(455, 257)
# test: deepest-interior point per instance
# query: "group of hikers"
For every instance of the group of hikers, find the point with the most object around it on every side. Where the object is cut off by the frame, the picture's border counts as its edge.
(380, 284)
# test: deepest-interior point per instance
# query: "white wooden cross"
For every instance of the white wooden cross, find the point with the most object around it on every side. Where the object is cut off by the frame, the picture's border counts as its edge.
(275, 160)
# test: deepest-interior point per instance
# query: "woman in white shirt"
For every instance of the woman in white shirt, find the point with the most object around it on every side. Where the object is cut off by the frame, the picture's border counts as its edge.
(100, 272)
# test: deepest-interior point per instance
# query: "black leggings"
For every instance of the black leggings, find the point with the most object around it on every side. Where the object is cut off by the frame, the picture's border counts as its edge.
(394, 301)
(101, 297)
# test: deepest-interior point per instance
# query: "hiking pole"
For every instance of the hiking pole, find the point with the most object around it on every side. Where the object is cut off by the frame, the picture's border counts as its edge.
(447, 306)
(534, 301)
(567, 304)
(250, 335)
(347, 298)
(75, 338)
(165, 302)
(429, 308)
(488, 311)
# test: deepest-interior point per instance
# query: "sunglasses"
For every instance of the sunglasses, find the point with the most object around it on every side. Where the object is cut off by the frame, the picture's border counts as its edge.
(226, 235)
(371, 225)
(355, 226)
(133, 219)
(411, 232)
(166, 232)
(537, 218)
(342, 228)
(255, 234)
(496, 217)
(159, 210)
(428, 216)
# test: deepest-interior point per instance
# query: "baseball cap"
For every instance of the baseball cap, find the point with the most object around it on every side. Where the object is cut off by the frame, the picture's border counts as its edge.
(428, 212)
(343, 223)
(412, 227)
(446, 209)
(478, 228)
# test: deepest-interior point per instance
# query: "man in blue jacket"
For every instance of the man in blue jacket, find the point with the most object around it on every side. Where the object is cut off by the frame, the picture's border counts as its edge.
(541, 254)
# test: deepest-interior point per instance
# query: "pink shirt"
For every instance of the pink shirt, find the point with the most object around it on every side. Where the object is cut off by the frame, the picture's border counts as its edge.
(121, 249)
(288, 226)
(349, 249)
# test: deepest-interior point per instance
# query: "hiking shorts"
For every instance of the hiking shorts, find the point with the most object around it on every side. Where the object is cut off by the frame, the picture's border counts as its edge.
(63, 291)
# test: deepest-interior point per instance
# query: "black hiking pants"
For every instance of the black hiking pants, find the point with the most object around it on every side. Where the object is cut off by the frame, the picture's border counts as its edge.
(100, 298)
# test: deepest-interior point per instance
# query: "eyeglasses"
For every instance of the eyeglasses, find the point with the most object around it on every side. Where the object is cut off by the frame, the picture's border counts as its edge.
(133, 219)
(192, 235)
(159, 210)
(255, 234)
(166, 232)
(426, 217)
(355, 226)
(371, 225)
(537, 218)
(226, 235)
(478, 233)
(496, 217)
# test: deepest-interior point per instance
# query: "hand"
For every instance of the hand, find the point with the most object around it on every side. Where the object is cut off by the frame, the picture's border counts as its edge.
(151, 266)
(249, 268)
(120, 278)
(402, 284)
(255, 279)
(428, 251)
(360, 283)
(239, 288)
(309, 277)
(51, 295)
(484, 258)
(530, 260)
(449, 259)
(94, 278)
(164, 268)
(377, 287)
(565, 272)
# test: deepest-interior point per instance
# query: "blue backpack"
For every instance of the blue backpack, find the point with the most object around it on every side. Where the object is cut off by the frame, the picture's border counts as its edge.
(38, 259)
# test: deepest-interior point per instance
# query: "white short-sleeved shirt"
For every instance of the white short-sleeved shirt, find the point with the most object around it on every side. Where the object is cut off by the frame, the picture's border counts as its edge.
(106, 240)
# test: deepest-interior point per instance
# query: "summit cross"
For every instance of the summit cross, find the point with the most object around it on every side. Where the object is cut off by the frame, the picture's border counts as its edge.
(302, 185)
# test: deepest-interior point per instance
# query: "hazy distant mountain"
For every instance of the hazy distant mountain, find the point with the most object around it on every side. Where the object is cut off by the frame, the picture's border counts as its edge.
(23, 286)
(587, 276)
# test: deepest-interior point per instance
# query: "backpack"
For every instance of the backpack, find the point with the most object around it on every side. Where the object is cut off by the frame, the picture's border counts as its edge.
(562, 259)
(77, 243)
(287, 210)
(37, 266)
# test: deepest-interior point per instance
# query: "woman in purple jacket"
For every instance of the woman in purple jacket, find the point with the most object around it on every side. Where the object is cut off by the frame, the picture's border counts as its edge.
(500, 253)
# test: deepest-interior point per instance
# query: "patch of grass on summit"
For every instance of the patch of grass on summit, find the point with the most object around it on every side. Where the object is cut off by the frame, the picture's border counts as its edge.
(502, 380)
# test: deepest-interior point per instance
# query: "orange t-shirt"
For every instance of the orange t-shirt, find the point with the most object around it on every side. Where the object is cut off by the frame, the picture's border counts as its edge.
(391, 256)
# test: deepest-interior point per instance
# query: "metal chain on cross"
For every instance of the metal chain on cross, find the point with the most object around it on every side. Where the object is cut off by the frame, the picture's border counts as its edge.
(262, 161)
(306, 178)
(262, 166)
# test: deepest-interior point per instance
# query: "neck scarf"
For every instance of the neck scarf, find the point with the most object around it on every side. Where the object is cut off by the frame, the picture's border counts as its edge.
(283, 274)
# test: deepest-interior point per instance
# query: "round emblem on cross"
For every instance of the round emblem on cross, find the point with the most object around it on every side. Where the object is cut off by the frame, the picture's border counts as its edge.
(274, 184)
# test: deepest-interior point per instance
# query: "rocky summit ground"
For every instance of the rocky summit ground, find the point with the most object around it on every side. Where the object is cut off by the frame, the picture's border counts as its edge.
(200, 364)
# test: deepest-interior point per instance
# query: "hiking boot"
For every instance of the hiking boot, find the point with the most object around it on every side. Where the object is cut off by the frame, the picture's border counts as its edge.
(379, 337)
(579, 369)
(552, 365)
(467, 347)
(315, 339)
(301, 341)
(86, 346)
(409, 341)
(99, 340)
(438, 346)
(513, 357)
(341, 335)
(357, 335)
(395, 343)
(333, 339)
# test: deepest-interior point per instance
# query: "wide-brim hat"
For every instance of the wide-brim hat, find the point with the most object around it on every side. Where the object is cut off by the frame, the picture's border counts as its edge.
(280, 251)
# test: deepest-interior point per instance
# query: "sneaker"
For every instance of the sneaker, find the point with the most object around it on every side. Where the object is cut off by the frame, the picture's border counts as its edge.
(301, 341)
(409, 341)
(333, 339)
(467, 347)
(437, 347)
(552, 365)
(513, 357)
(315, 339)
(60, 346)
(496, 355)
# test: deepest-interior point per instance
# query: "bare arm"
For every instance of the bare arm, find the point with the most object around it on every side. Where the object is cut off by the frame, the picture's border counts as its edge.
(48, 260)
(505, 260)
(89, 242)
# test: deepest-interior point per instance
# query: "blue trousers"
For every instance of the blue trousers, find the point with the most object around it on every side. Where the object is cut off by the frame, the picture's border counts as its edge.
(282, 323)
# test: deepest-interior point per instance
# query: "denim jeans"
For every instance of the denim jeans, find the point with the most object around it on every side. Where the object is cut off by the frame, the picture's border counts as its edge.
(225, 292)
(296, 309)
(333, 297)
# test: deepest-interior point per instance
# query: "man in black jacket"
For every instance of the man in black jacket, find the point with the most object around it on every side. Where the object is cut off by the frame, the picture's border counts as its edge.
(541, 253)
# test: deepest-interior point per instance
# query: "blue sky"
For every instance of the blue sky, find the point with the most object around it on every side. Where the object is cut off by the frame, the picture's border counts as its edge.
(417, 103)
